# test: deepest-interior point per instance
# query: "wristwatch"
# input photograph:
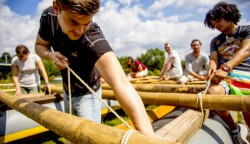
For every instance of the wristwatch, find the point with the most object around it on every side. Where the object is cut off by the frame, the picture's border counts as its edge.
(226, 68)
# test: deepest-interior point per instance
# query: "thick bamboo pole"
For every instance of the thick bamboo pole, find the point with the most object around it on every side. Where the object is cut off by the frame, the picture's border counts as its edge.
(173, 88)
(73, 128)
(212, 102)
(157, 81)
(164, 82)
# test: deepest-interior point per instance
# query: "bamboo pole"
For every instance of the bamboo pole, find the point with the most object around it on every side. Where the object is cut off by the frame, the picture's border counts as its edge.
(173, 88)
(73, 128)
(157, 81)
(212, 102)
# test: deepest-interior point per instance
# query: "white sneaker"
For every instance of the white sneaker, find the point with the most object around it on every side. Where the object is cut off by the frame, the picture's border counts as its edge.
(243, 132)
(240, 136)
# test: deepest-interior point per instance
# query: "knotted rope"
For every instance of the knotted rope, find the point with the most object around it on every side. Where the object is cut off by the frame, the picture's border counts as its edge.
(200, 95)
(126, 136)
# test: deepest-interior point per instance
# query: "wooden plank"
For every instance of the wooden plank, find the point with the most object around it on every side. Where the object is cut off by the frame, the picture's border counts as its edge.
(183, 127)
(153, 115)
(159, 112)
(106, 110)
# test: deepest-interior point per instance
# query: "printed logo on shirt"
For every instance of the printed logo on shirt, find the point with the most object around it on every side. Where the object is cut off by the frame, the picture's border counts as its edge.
(229, 48)
(74, 54)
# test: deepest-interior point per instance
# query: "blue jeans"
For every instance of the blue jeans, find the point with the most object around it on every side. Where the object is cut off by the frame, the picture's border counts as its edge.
(86, 106)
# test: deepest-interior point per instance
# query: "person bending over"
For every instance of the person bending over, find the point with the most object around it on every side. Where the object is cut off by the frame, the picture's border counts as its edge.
(25, 74)
(78, 41)
(138, 69)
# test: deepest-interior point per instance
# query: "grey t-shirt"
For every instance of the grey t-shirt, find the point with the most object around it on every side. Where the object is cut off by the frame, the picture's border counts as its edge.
(28, 71)
(195, 65)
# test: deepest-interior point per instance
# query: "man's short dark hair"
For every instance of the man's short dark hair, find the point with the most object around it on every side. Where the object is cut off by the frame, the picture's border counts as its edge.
(224, 10)
(197, 41)
(83, 7)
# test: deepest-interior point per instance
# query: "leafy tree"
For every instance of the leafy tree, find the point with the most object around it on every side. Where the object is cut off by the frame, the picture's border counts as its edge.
(153, 59)
(123, 62)
(51, 69)
(6, 58)
(183, 64)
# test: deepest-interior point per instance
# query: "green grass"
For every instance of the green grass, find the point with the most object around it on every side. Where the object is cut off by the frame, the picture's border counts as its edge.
(115, 121)
(150, 107)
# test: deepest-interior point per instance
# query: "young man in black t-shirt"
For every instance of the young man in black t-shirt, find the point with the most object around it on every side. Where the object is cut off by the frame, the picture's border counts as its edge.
(68, 27)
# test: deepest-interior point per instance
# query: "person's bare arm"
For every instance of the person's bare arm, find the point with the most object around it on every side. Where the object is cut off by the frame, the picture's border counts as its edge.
(240, 55)
(44, 75)
(42, 71)
(140, 68)
(199, 77)
(14, 70)
(238, 58)
(170, 63)
(213, 64)
(111, 70)
(166, 67)
(42, 48)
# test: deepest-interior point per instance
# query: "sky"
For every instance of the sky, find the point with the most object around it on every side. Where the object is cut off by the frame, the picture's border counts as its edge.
(130, 26)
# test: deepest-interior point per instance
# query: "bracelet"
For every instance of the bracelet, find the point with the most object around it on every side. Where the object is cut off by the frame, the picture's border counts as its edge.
(46, 83)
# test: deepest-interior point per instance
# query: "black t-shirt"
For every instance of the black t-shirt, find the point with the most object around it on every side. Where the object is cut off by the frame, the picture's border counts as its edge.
(82, 54)
(228, 45)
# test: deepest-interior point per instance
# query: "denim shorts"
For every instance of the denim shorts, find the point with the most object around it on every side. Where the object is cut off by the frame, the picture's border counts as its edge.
(86, 106)
(30, 90)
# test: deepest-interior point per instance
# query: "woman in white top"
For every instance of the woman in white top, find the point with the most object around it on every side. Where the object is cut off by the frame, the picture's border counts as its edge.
(25, 72)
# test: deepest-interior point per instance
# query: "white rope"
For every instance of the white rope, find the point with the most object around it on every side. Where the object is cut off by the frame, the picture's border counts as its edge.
(69, 90)
(200, 94)
(96, 95)
(126, 136)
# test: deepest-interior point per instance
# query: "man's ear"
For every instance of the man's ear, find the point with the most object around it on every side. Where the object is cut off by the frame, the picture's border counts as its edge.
(55, 7)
